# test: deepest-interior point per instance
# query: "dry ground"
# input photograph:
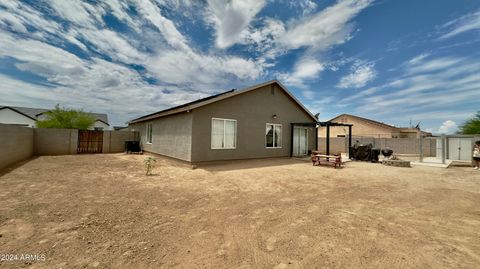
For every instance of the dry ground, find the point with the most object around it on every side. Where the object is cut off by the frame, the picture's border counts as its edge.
(101, 211)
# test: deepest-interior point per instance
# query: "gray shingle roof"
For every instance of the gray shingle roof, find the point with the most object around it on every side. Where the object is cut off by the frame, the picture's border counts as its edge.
(30, 112)
(34, 112)
(100, 116)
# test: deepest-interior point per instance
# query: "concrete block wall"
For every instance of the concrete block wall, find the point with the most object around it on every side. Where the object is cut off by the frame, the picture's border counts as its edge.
(114, 141)
(398, 145)
(16, 144)
(55, 141)
(20, 143)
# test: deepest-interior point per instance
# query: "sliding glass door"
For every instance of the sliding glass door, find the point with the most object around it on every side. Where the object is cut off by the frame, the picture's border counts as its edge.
(300, 141)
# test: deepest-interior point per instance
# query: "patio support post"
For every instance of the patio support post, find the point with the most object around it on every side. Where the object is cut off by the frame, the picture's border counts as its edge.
(316, 138)
(328, 139)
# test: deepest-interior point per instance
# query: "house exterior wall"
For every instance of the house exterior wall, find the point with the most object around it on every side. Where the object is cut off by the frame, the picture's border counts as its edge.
(409, 133)
(252, 111)
(172, 135)
(8, 116)
(359, 128)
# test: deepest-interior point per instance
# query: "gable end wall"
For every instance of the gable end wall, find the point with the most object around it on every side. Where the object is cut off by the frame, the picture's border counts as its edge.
(252, 110)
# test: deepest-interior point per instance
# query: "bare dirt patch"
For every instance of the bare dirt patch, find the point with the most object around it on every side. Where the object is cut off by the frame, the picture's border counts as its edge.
(101, 211)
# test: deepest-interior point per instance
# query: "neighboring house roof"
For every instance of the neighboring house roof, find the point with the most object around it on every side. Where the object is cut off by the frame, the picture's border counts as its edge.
(118, 128)
(216, 98)
(391, 127)
(26, 111)
(381, 124)
(33, 113)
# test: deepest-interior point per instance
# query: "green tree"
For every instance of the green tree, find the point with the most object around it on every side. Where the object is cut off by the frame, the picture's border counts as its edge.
(471, 126)
(66, 119)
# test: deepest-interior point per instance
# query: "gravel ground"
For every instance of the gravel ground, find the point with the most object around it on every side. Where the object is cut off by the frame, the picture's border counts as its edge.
(101, 211)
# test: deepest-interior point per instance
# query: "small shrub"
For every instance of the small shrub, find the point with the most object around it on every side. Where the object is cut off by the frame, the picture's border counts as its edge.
(149, 164)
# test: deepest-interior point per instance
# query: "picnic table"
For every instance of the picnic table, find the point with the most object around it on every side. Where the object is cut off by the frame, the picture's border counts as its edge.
(318, 159)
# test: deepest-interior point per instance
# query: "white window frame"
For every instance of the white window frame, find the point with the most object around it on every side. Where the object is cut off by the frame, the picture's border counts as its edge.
(211, 133)
(274, 134)
(149, 142)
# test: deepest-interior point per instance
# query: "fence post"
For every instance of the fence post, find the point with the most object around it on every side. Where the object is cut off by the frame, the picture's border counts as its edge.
(421, 148)
(328, 139)
(444, 150)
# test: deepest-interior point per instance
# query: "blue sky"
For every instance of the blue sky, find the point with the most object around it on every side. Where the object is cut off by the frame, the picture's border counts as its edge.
(392, 61)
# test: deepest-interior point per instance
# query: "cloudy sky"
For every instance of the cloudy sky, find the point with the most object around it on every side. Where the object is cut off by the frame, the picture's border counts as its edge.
(392, 61)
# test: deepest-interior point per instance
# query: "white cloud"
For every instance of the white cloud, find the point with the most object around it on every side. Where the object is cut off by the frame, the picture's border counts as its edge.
(152, 13)
(458, 115)
(231, 18)
(175, 63)
(461, 25)
(78, 12)
(94, 85)
(38, 44)
(432, 89)
(305, 69)
(111, 43)
(201, 71)
(103, 86)
(264, 37)
(448, 127)
(39, 57)
(419, 64)
(318, 32)
(307, 6)
(325, 29)
(357, 96)
(11, 21)
(418, 59)
(18, 17)
(361, 74)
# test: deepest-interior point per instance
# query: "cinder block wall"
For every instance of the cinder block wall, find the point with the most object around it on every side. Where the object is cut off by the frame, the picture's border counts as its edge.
(114, 141)
(20, 143)
(16, 144)
(398, 145)
(55, 141)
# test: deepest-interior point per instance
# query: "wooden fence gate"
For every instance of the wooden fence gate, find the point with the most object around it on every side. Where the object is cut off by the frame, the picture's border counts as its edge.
(90, 141)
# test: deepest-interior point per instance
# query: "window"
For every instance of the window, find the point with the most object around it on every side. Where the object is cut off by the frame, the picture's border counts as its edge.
(224, 134)
(274, 135)
(149, 133)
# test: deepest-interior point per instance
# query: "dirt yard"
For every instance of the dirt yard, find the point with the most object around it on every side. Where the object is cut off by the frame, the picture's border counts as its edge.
(102, 211)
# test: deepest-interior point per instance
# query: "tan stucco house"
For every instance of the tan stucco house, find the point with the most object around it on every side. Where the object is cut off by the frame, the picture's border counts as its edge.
(261, 121)
(369, 128)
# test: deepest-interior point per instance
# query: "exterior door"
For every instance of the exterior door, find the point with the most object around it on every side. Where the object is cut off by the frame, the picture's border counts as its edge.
(439, 148)
(460, 149)
(300, 141)
(466, 150)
